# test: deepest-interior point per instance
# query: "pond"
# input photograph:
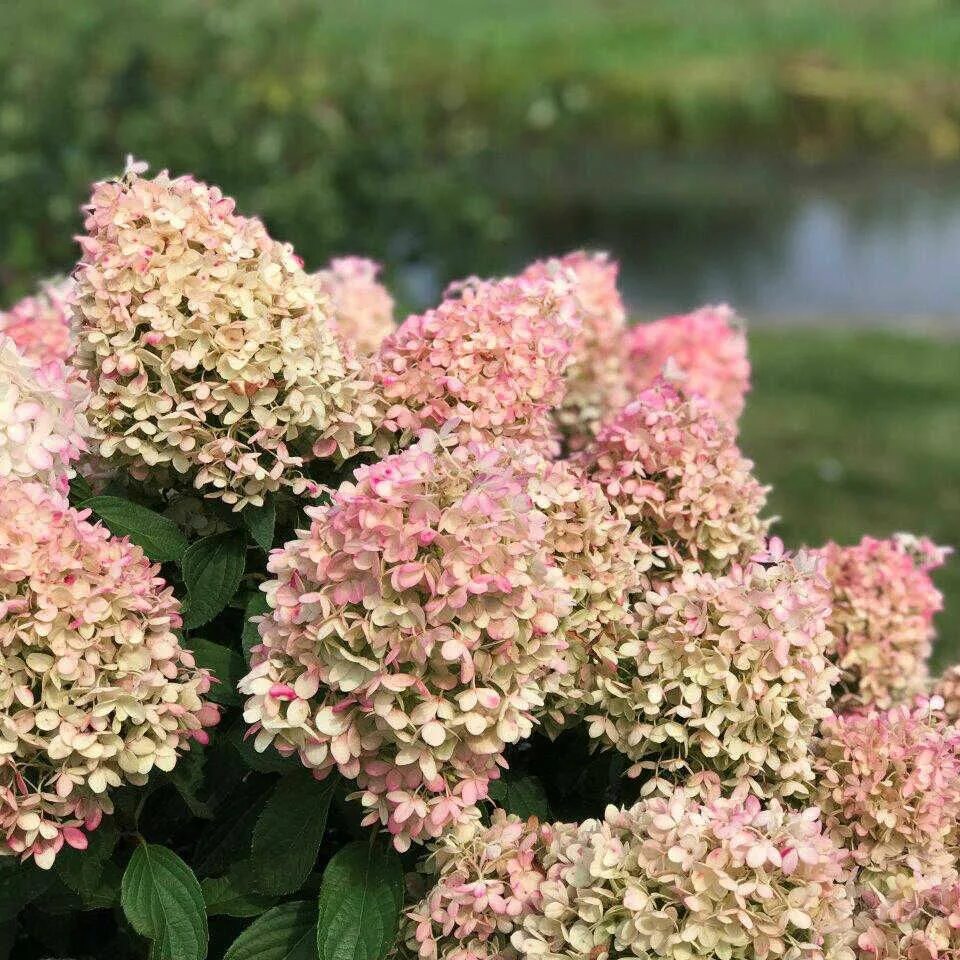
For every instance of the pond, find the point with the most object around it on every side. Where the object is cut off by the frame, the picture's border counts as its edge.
(859, 244)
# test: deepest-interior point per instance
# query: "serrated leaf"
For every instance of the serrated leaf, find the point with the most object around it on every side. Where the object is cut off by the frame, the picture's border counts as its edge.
(256, 605)
(80, 490)
(225, 664)
(227, 838)
(20, 884)
(163, 901)
(287, 932)
(523, 796)
(288, 834)
(224, 898)
(261, 522)
(187, 779)
(159, 537)
(212, 569)
(361, 896)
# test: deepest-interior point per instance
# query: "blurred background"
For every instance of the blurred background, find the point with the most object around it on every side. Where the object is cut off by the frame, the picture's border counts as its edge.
(799, 159)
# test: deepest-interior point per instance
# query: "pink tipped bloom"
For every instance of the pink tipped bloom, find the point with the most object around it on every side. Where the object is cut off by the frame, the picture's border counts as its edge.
(889, 786)
(413, 666)
(884, 602)
(726, 675)
(362, 307)
(675, 470)
(95, 690)
(42, 325)
(489, 363)
(209, 349)
(705, 350)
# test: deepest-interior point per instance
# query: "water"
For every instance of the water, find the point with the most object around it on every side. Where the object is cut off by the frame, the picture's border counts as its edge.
(861, 245)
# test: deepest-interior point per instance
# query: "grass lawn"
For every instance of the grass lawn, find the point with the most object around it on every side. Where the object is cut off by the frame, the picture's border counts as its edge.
(860, 433)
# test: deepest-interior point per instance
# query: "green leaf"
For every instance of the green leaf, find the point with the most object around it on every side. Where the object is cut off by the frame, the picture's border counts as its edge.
(523, 796)
(287, 932)
(225, 664)
(212, 570)
(159, 537)
(360, 900)
(223, 898)
(288, 834)
(187, 779)
(227, 838)
(261, 522)
(20, 884)
(163, 901)
(256, 605)
(80, 490)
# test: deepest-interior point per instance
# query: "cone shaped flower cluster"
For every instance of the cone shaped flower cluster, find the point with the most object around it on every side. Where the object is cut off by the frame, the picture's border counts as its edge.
(675, 470)
(209, 350)
(362, 308)
(726, 674)
(706, 351)
(884, 603)
(410, 629)
(671, 876)
(95, 689)
(490, 359)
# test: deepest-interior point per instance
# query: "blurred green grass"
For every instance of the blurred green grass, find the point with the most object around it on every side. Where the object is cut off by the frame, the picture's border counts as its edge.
(859, 433)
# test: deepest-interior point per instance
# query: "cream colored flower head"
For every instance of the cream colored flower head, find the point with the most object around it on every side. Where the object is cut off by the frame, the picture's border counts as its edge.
(95, 689)
(209, 349)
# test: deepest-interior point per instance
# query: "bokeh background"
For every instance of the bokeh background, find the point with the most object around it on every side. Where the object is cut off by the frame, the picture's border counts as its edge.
(797, 158)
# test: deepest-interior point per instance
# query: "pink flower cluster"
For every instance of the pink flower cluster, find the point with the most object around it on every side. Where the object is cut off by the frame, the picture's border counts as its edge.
(410, 629)
(490, 361)
(362, 307)
(706, 351)
(209, 349)
(596, 378)
(95, 689)
(884, 602)
(42, 325)
(725, 674)
(675, 470)
(488, 880)
(671, 876)
(42, 431)
(889, 786)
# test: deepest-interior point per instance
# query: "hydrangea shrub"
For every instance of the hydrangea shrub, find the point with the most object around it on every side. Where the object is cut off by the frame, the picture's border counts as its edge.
(461, 638)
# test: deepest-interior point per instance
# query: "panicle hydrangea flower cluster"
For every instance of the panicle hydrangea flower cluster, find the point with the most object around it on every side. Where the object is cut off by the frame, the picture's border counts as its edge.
(884, 602)
(889, 786)
(208, 347)
(362, 307)
(488, 880)
(42, 431)
(94, 686)
(669, 877)
(924, 926)
(706, 350)
(42, 325)
(409, 632)
(675, 470)
(726, 674)
(596, 378)
(489, 360)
